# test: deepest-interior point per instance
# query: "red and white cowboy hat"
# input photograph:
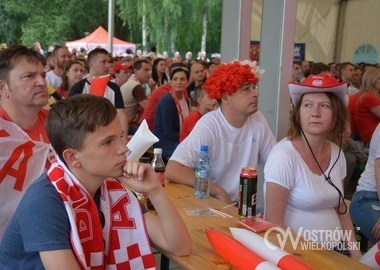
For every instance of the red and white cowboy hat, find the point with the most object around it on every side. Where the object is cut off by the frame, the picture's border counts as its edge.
(320, 83)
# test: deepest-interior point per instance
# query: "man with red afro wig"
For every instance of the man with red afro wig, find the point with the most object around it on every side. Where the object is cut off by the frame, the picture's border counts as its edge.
(237, 134)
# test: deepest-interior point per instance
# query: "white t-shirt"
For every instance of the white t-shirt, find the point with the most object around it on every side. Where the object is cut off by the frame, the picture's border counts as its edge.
(53, 80)
(367, 180)
(229, 148)
(312, 199)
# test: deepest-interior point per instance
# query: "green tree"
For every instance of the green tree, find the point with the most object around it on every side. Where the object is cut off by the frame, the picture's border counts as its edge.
(53, 21)
(10, 32)
(174, 24)
(170, 25)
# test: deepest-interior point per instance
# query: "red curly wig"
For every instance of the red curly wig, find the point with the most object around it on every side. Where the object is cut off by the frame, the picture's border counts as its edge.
(228, 78)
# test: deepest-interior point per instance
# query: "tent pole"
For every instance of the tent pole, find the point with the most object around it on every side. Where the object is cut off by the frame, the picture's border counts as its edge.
(339, 30)
(111, 14)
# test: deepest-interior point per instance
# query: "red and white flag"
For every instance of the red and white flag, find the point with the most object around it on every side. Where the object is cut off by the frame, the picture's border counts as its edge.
(22, 161)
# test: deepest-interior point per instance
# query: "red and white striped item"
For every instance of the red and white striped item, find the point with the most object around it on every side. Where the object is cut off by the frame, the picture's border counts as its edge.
(22, 160)
(126, 244)
(236, 253)
(274, 254)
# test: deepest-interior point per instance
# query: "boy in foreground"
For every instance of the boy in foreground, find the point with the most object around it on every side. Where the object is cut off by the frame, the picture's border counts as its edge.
(77, 216)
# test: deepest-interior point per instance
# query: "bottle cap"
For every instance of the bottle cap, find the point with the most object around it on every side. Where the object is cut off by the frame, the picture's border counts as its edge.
(204, 147)
(157, 151)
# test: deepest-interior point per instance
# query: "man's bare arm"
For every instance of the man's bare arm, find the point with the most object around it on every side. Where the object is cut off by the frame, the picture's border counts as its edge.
(179, 173)
(59, 259)
(121, 113)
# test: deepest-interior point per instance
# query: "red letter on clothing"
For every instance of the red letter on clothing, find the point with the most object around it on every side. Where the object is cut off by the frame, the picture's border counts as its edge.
(25, 149)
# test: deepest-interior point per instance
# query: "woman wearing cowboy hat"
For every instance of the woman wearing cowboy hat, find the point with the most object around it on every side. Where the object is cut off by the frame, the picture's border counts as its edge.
(304, 172)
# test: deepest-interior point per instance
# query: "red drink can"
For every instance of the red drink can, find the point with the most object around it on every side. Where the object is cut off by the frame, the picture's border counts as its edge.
(247, 192)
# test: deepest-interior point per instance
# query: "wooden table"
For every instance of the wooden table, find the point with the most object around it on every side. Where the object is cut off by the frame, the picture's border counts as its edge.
(203, 255)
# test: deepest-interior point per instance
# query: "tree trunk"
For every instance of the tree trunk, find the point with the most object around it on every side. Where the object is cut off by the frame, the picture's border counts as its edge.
(144, 34)
(204, 32)
(166, 41)
(174, 36)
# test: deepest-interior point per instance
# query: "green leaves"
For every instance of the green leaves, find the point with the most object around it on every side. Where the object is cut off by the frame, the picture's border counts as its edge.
(170, 24)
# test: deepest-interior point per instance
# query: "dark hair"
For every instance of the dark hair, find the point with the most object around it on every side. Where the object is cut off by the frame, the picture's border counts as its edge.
(94, 53)
(56, 49)
(65, 79)
(138, 64)
(11, 56)
(297, 63)
(164, 78)
(201, 62)
(318, 68)
(178, 64)
(70, 120)
(179, 68)
(338, 125)
(199, 92)
(341, 67)
(209, 64)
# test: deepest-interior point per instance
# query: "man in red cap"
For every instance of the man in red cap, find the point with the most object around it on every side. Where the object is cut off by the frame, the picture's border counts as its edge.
(122, 72)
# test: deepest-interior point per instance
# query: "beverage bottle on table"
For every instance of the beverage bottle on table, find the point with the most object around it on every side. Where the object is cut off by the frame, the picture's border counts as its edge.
(202, 180)
(159, 167)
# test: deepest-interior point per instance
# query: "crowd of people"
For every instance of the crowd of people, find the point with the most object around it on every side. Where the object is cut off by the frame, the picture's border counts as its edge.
(70, 155)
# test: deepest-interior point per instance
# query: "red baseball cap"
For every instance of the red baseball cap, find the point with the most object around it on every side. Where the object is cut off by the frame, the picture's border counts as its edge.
(320, 83)
(120, 66)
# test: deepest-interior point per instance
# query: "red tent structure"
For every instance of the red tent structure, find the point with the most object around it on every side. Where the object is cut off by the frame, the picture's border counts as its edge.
(99, 38)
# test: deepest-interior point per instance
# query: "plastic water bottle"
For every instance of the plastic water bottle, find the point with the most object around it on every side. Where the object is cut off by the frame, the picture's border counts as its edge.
(159, 167)
(202, 180)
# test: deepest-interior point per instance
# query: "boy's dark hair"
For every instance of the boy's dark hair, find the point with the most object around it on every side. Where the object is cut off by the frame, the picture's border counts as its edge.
(94, 53)
(70, 120)
(318, 68)
(9, 58)
(138, 64)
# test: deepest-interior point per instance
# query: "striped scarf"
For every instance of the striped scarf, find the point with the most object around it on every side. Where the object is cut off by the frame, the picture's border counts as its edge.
(122, 243)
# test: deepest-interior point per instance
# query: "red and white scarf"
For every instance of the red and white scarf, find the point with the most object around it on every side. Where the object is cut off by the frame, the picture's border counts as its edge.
(125, 245)
(180, 110)
(22, 160)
